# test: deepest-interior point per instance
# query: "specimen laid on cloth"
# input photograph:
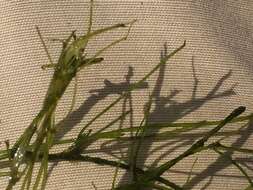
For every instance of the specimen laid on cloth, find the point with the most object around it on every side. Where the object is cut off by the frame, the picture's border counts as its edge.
(29, 157)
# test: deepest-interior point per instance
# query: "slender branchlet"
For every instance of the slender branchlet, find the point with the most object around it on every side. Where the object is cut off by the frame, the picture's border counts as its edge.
(35, 143)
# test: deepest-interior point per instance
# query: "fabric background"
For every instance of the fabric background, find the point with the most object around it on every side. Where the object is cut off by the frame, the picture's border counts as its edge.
(219, 46)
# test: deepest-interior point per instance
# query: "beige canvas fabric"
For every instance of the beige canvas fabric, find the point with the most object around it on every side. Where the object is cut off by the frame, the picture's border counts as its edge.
(210, 77)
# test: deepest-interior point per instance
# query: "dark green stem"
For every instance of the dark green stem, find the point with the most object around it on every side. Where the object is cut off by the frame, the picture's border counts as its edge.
(101, 161)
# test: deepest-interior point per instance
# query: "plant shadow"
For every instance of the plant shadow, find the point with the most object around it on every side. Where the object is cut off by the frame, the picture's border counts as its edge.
(110, 88)
(167, 110)
(216, 166)
(75, 117)
(163, 106)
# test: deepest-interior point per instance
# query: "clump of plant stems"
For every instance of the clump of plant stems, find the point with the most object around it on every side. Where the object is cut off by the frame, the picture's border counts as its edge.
(34, 145)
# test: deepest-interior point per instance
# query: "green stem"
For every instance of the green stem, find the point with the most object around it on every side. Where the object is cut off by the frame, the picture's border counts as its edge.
(100, 161)
(193, 149)
(235, 164)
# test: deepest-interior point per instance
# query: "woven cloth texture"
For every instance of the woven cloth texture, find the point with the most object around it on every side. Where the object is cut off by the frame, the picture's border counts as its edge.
(210, 77)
